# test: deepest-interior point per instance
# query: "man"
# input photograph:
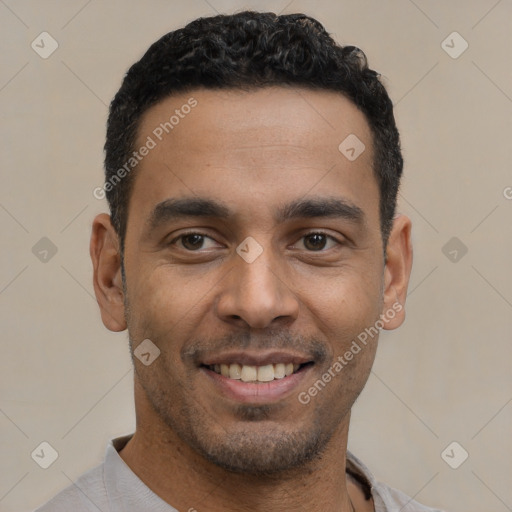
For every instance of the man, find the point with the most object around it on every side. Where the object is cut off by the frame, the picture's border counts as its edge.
(253, 253)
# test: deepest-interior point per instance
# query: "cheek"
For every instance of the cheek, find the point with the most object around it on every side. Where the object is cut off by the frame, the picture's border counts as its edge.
(165, 304)
(344, 303)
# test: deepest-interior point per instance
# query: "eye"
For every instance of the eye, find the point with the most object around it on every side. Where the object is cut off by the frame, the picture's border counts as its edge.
(192, 241)
(318, 241)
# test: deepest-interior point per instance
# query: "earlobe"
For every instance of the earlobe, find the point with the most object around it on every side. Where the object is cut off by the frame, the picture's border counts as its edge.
(397, 272)
(107, 279)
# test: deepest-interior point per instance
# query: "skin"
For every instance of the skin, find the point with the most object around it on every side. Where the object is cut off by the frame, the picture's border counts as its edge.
(254, 152)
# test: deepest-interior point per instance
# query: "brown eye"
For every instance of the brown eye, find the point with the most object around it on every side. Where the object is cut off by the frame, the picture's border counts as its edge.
(192, 242)
(315, 241)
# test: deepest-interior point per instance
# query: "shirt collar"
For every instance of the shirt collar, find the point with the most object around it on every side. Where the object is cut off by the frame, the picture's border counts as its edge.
(126, 492)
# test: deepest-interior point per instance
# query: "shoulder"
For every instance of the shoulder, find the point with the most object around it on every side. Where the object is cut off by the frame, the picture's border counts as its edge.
(86, 494)
(395, 500)
(386, 498)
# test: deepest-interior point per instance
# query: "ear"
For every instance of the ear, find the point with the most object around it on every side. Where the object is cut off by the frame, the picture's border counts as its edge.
(397, 272)
(107, 280)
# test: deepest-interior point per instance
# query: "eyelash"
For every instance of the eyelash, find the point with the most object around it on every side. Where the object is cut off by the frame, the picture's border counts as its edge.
(204, 235)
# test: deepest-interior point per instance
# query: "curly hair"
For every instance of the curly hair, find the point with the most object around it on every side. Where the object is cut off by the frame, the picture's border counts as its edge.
(245, 51)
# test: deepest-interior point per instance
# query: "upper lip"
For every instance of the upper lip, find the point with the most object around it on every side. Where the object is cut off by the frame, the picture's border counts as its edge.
(256, 359)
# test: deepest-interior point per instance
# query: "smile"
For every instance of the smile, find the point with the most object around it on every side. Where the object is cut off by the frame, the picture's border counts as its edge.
(257, 384)
(251, 373)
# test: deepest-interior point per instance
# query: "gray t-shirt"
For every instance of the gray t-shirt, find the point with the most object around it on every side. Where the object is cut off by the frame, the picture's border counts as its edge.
(114, 487)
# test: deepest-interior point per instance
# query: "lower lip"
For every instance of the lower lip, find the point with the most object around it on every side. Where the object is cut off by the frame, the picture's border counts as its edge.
(257, 392)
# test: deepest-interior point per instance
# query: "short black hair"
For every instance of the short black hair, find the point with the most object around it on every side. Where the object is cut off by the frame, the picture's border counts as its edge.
(249, 50)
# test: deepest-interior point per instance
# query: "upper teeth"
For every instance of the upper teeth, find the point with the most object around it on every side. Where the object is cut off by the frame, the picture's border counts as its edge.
(248, 373)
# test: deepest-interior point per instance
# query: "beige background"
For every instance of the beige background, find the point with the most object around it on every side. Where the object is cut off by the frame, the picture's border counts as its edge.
(444, 376)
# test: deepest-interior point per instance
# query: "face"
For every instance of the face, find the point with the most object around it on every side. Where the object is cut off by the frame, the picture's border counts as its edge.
(253, 260)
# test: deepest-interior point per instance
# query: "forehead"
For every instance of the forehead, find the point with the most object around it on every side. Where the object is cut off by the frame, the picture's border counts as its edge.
(272, 115)
(266, 143)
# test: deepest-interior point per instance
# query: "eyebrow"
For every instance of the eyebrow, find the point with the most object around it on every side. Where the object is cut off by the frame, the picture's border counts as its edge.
(316, 207)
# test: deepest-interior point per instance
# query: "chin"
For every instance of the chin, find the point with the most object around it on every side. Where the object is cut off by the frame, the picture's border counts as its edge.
(260, 452)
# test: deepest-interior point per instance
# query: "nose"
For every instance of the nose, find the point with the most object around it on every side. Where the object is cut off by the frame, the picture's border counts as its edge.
(257, 294)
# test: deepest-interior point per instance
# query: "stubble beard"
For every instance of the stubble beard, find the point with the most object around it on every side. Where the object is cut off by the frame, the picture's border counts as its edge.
(253, 447)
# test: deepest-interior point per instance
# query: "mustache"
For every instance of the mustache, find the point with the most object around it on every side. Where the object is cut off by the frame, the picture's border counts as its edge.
(198, 350)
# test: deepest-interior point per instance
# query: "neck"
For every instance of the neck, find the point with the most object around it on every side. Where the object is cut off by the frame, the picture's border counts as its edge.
(187, 481)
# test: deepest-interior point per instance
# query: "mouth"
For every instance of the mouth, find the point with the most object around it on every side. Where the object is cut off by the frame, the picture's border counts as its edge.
(253, 373)
(263, 378)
